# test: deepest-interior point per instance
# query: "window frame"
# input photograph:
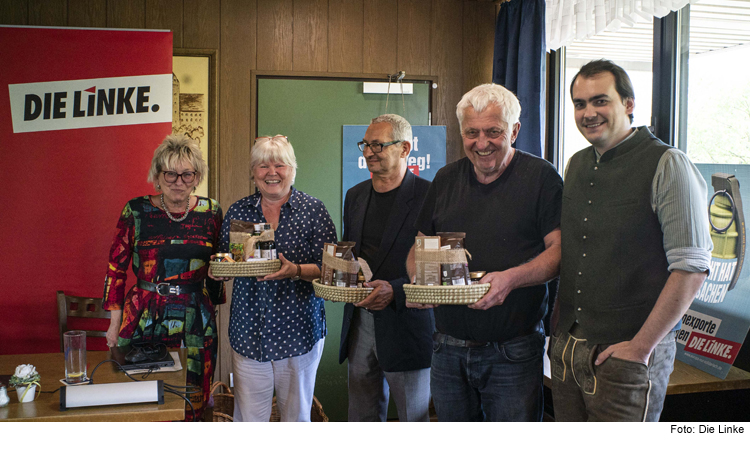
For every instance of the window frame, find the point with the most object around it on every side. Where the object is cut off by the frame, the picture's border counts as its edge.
(670, 75)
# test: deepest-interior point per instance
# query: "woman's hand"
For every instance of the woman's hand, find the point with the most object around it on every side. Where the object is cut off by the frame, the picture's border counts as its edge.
(113, 332)
(288, 270)
(211, 275)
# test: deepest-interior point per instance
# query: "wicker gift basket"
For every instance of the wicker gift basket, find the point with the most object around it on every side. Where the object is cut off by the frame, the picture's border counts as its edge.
(245, 269)
(433, 260)
(340, 294)
(447, 295)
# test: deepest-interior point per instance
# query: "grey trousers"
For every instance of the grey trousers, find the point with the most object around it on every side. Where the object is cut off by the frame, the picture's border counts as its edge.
(370, 386)
(617, 390)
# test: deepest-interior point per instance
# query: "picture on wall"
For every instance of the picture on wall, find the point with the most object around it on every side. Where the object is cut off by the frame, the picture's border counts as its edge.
(193, 106)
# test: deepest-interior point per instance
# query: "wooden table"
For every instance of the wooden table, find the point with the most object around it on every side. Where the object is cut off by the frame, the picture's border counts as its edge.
(686, 379)
(46, 407)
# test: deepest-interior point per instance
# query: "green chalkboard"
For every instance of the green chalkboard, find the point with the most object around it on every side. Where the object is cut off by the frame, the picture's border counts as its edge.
(311, 113)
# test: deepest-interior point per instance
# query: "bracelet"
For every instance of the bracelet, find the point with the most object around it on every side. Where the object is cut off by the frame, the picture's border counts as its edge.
(299, 273)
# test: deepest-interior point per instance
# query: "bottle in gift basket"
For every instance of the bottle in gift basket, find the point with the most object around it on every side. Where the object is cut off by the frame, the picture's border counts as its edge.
(268, 248)
(340, 278)
(257, 231)
(454, 273)
(476, 277)
(344, 251)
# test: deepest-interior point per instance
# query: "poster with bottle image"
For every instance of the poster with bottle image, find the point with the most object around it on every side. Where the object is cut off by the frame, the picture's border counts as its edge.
(714, 327)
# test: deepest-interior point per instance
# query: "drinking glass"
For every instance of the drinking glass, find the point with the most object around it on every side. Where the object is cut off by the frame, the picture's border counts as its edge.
(75, 356)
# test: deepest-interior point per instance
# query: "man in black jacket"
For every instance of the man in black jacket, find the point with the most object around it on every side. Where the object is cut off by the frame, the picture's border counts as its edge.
(388, 345)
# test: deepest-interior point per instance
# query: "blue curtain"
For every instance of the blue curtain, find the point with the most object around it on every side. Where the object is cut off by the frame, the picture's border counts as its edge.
(519, 65)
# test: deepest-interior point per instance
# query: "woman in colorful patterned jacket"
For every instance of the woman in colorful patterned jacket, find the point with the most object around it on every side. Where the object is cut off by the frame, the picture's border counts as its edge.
(169, 237)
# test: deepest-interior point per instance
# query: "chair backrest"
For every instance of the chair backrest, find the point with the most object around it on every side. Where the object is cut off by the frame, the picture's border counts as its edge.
(84, 307)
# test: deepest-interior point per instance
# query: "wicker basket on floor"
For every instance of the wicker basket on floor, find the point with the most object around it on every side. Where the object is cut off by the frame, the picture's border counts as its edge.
(445, 295)
(316, 412)
(245, 269)
(223, 403)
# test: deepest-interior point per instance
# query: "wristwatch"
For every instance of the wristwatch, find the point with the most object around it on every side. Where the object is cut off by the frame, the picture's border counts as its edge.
(299, 273)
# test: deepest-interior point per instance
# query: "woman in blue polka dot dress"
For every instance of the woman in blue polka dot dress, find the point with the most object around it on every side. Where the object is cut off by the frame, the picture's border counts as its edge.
(277, 326)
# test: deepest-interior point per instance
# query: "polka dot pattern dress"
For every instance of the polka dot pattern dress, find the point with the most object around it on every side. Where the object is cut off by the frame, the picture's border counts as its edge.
(278, 319)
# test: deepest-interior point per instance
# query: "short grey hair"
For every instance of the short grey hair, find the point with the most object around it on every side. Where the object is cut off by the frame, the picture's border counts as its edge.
(483, 95)
(400, 127)
(273, 150)
(177, 148)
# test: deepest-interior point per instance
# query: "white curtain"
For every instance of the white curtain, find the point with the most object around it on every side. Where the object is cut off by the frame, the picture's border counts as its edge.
(569, 20)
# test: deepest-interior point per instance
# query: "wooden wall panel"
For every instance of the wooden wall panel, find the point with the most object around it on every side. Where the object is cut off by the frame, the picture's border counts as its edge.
(446, 38)
(275, 34)
(51, 13)
(414, 36)
(452, 39)
(166, 15)
(87, 13)
(479, 43)
(14, 12)
(201, 26)
(381, 35)
(126, 13)
(236, 59)
(345, 24)
(310, 52)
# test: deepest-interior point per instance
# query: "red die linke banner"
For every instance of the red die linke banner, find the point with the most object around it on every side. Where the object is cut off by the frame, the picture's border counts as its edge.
(81, 112)
(712, 347)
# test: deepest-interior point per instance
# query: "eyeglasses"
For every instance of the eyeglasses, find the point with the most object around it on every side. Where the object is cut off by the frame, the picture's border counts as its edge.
(375, 147)
(171, 177)
(271, 138)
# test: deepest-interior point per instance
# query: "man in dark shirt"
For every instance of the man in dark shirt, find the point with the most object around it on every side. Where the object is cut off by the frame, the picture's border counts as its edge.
(487, 359)
(388, 345)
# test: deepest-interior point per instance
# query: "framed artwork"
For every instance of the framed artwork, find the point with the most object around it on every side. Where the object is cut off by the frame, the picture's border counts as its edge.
(194, 100)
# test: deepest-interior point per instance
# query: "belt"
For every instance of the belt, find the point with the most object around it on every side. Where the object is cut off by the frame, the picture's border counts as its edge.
(450, 340)
(465, 343)
(165, 289)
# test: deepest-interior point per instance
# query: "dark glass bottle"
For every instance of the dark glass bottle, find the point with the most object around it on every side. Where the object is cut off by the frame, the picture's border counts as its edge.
(268, 248)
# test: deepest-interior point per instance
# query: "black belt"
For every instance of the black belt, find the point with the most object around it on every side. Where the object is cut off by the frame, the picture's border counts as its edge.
(450, 340)
(465, 343)
(170, 289)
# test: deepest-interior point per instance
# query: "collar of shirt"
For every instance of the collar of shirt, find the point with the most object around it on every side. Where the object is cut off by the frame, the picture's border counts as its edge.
(632, 133)
(293, 202)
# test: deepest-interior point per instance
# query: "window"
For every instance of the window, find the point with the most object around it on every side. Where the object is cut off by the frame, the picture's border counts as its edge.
(703, 100)
(718, 94)
(630, 48)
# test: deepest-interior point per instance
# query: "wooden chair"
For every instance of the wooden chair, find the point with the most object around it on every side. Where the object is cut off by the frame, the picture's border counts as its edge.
(83, 307)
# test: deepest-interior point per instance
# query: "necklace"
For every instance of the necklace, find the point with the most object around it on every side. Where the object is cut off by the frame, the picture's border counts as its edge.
(164, 207)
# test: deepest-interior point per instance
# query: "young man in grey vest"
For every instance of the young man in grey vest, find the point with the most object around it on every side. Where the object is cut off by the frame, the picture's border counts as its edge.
(635, 250)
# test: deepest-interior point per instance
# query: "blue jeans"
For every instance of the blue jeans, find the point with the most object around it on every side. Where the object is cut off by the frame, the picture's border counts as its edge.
(501, 382)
